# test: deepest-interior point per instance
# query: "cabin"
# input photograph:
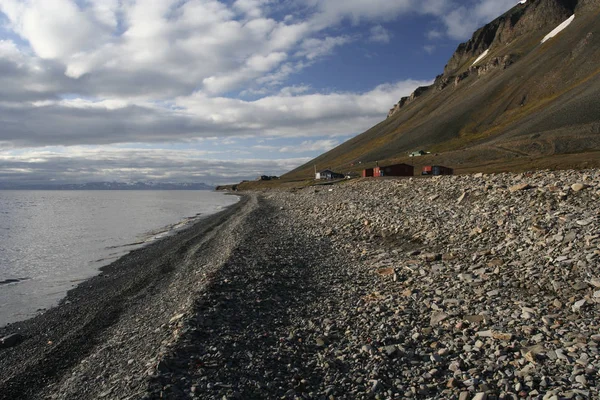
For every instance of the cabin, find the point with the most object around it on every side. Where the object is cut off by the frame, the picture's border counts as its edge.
(328, 174)
(417, 153)
(394, 170)
(368, 173)
(437, 170)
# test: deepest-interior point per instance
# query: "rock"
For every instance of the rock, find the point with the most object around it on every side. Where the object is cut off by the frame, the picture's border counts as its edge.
(474, 319)
(581, 379)
(437, 317)
(390, 350)
(595, 282)
(577, 187)
(502, 336)
(480, 396)
(519, 187)
(578, 305)
(430, 257)
(11, 340)
(176, 318)
(461, 198)
(385, 271)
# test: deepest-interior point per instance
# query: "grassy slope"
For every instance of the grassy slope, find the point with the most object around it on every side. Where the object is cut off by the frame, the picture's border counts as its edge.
(537, 113)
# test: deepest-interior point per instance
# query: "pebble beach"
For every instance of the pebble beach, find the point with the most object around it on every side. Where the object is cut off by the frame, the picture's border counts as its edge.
(455, 287)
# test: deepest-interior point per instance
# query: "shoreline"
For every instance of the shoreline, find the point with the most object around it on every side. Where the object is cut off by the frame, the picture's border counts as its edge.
(461, 287)
(61, 336)
(49, 253)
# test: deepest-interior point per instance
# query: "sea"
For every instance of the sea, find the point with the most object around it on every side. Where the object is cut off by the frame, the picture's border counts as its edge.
(50, 241)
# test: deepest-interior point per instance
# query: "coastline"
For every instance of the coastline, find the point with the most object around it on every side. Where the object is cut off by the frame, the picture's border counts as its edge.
(91, 312)
(458, 287)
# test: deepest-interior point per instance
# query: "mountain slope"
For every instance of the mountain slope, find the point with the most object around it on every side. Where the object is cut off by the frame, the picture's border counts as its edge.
(503, 96)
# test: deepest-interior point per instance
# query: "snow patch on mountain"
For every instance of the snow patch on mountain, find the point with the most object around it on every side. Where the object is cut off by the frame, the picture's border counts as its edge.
(481, 57)
(559, 28)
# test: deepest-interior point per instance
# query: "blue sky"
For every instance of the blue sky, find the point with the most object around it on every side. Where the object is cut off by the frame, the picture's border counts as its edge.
(208, 90)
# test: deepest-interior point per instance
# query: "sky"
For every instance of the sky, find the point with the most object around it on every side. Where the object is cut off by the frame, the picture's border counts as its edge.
(205, 90)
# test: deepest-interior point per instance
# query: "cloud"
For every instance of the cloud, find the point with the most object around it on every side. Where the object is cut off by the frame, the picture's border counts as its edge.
(57, 165)
(462, 21)
(379, 34)
(315, 48)
(291, 113)
(429, 49)
(310, 145)
(111, 72)
(434, 34)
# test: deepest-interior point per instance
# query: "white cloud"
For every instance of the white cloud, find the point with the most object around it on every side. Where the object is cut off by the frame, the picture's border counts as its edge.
(109, 163)
(434, 34)
(462, 21)
(380, 35)
(100, 72)
(314, 48)
(311, 145)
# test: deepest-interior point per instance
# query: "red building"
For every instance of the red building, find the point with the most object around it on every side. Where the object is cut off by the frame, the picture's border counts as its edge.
(437, 170)
(394, 170)
(367, 173)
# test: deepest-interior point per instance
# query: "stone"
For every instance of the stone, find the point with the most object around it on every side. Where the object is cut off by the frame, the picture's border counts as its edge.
(474, 319)
(461, 198)
(578, 305)
(577, 187)
(430, 257)
(595, 282)
(176, 318)
(480, 396)
(390, 350)
(581, 379)
(519, 187)
(437, 317)
(385, 271)
(502, 336)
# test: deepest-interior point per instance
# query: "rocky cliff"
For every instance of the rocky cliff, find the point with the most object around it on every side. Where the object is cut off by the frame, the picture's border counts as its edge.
(496, 45)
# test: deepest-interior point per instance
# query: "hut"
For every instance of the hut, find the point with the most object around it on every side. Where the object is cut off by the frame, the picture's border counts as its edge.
(328, 174)
(436, 170)
(394, 170)
(417, 153)
(367, 172)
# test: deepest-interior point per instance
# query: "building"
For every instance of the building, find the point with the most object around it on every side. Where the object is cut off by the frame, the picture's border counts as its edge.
(436, 170)
(367, 173)
(394, 170)
(328, 174)
(417, 153)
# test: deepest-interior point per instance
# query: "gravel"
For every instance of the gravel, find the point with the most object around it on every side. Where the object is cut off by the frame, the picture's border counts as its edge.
(456, 287)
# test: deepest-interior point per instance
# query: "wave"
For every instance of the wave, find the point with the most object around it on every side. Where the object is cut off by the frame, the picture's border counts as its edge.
(13, 280)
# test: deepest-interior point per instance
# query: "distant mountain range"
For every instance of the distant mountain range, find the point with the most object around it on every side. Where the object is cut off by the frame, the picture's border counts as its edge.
(523, 93)
(108, 186)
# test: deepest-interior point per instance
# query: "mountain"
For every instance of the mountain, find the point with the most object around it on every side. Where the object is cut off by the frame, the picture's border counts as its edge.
(110, 186)
(520, 94)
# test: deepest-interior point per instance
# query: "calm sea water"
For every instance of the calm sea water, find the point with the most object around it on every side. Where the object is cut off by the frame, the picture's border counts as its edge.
(52, 240)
